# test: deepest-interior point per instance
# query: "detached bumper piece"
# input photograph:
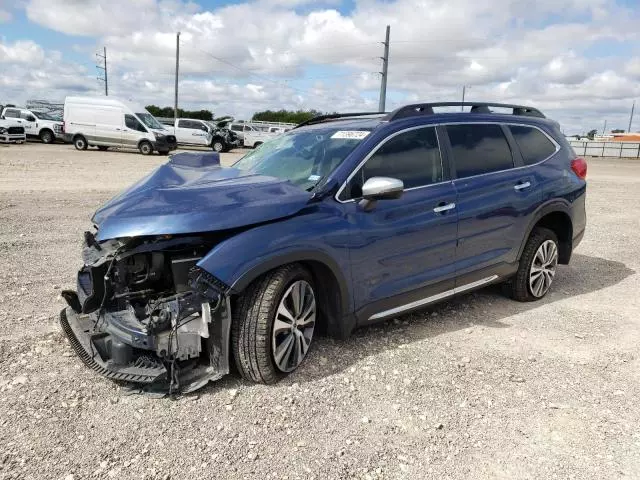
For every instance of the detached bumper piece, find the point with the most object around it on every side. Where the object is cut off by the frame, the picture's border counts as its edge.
(96, 350)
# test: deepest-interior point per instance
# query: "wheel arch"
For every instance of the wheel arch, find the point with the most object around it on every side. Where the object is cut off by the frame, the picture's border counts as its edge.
(331, 285)
(555, 216)
(143, 140)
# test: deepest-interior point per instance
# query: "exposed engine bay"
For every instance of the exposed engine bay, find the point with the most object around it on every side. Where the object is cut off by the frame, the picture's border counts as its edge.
(145, 313)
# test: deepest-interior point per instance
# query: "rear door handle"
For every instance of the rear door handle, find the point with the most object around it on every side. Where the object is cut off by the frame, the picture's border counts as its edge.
(444, 207)
(521, 186)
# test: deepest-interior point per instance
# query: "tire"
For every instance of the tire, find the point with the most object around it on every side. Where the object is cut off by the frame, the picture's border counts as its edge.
(254, 341)
(102, 148)
(257, 144)
(80, 142)
(47, 136)
(145, 148)
(537, 269)
(218, 145)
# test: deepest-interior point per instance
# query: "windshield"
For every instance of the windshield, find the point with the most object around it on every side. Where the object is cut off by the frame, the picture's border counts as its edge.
(303, 157)
(149, 120)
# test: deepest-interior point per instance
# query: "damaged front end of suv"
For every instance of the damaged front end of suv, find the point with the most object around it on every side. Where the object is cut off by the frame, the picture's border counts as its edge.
(144, 310)
(144, 313)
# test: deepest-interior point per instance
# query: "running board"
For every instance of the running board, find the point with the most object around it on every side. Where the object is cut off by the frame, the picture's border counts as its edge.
(433, 298)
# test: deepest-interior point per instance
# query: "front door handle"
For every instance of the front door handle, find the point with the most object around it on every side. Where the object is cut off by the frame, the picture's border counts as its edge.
(521, 186)
(444, 207)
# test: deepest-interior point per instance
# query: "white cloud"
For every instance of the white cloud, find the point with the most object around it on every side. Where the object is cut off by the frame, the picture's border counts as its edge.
(247, 56)
(5, 16)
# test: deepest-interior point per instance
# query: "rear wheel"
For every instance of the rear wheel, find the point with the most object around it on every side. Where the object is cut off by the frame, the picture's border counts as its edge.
(273, 324)
(257, 144)
(47, 136)
(145, 148)
(80, 142)
(537, 269)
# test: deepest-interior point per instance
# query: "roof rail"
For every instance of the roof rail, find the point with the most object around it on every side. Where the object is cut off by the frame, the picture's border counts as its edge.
(419, 109)
(332, 116)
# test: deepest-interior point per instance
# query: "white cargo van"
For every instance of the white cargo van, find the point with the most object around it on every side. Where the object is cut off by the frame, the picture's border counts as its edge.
(108, 122)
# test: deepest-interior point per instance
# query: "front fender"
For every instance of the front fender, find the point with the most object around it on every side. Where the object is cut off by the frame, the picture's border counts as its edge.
(318, 234)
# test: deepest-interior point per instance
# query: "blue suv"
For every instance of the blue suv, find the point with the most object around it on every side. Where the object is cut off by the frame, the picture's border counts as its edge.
(346, 220)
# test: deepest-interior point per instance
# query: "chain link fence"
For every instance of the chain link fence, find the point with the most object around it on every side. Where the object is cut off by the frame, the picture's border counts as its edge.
(606, 149)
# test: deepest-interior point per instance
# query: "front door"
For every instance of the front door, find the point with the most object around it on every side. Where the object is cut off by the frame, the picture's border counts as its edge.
(133, 131)
(494, 201)
(402, 251)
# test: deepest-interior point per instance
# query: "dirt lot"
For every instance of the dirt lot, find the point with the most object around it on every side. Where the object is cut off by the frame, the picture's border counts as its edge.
(478, 387)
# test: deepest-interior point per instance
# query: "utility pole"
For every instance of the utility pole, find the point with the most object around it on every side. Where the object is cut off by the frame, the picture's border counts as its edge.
(464, 90)
(604, 129)
(175, 105)
(633, 107)
(104, 68)
(385, 70)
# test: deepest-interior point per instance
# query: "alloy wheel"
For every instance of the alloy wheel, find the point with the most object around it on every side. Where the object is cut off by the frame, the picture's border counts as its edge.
(543, 268)
(293, 326)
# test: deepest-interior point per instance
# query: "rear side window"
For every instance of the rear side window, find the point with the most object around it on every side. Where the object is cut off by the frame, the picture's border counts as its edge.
(534, 145)
(12, 112)
(478, 149)
(413, 157)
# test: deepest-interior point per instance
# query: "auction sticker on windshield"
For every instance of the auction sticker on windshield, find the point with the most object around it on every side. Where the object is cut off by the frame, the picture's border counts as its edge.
(351, 134)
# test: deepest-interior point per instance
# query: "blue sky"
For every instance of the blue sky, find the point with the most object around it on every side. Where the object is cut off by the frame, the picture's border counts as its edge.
(577, 59)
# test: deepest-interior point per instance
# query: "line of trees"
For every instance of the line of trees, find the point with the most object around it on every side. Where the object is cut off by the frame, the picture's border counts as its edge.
(288, 116)
(168, 112)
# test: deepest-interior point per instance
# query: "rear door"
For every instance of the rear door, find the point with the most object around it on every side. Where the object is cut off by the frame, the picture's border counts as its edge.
(29, 123)
(403, 250)
(495, 197)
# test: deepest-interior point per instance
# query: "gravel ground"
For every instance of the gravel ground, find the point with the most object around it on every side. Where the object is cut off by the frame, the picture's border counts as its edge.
(477, 387)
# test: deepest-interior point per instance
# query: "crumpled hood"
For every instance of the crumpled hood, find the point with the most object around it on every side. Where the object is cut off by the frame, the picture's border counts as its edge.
(186, 195)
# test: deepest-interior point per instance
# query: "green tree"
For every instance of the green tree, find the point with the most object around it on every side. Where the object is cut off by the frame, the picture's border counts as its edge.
(168, 112)
(591, 134)
(617, 130)
(288, 116)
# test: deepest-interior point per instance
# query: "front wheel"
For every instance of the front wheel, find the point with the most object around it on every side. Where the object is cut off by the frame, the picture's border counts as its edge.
(537, 269)
(145, 148)
(273, 324)
(47, 136)
(217, 146)
(80, 143)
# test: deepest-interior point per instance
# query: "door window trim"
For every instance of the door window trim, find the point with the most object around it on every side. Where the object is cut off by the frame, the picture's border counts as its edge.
(378, 146)
(449, 159)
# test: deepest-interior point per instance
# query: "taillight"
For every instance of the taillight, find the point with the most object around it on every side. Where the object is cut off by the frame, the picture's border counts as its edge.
(579, 167)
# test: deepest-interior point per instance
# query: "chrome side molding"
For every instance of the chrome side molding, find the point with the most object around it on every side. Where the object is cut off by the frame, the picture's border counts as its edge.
(433, 298)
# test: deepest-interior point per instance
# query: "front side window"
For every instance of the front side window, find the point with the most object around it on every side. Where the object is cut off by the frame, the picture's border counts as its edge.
(304, 156)
(479, 148)
(413, 157)
(132, 122)
(534, 145)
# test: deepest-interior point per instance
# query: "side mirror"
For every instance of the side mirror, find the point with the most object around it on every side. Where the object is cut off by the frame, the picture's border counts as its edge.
(380, 188)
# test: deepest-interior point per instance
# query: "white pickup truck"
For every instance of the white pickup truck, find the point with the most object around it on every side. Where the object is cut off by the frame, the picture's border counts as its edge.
(11, 132)
(36, 124)
(251, 136)
(192, 131)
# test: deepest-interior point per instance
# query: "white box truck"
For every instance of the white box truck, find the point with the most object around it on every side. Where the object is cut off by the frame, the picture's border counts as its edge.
(36, 124)
(109, 122)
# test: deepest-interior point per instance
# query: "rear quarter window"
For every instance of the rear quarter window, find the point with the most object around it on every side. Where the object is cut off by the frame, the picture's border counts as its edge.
(534, 145)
